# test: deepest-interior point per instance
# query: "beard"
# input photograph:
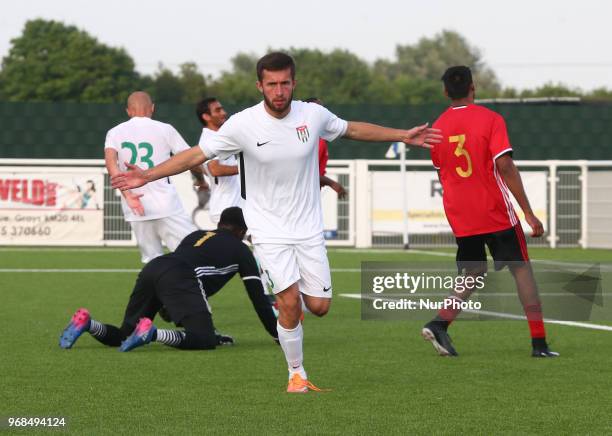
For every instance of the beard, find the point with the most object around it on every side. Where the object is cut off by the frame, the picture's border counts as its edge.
(219, 123)
(273, 108)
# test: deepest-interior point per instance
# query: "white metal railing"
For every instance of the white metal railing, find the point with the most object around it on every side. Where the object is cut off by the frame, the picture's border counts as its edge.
(557, 203)
(578, 202)
(344, 218)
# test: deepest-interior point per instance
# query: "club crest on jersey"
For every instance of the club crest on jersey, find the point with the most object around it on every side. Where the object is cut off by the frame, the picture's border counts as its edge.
(302, 133)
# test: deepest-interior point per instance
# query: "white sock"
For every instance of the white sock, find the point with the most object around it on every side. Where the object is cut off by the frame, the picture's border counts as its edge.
(97, 329)
(170, 337)
(291, 342)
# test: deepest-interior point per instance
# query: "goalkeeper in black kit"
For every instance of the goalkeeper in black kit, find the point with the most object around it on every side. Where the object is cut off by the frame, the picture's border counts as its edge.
(182, 282)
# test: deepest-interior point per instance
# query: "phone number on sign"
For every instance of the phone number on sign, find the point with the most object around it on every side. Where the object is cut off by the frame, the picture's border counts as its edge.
(25, 230)
(23, 421)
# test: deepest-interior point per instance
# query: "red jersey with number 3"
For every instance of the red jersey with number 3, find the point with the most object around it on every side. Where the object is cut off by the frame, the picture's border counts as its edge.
(476, 199)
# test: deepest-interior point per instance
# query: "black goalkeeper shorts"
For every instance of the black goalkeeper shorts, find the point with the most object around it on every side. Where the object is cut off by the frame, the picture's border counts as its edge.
(169, 282)
(505, 246)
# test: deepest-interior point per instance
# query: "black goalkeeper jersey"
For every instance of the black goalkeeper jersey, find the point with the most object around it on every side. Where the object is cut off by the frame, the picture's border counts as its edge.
(216, 256)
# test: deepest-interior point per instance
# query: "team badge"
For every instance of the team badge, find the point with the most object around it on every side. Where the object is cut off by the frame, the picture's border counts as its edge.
(302, 133)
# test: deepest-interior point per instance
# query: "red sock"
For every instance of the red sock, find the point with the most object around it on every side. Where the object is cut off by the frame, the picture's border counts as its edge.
(448, 313)
(534, 319)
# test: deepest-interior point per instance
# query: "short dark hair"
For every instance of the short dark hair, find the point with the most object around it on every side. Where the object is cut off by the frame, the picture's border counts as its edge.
(275, 61)
(203, 107)
(232, 217)
(457, 81)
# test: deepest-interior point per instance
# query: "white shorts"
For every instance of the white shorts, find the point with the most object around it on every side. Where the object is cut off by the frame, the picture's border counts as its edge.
(150, 234)
(305, 263)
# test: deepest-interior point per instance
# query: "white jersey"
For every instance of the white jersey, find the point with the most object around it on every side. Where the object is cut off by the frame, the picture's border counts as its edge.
(147, 143)
(279, 168)
(225, 190)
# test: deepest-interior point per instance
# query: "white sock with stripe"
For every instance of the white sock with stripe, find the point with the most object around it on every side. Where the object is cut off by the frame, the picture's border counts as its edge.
(170, 337)
(97, 329)
(291, 341)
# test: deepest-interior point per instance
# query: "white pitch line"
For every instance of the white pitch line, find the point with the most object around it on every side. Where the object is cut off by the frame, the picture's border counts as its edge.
(72, 249)
(584, 325)
(72, 270)
(113, 270)
(447, 254)
(370, 250)
(337, 250)
(544, 261)
(334, 270)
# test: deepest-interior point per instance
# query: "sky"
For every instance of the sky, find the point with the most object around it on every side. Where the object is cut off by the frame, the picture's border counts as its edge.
(527, 43)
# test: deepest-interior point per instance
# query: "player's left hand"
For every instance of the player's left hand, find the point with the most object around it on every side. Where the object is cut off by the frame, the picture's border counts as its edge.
(422, 136)
(134, 177)
(339, 190)
(537, 229)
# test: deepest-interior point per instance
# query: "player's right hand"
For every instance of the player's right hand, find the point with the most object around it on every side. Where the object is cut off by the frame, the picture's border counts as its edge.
(134, 203)
(537, 229)
(134, 177)
(422, 136)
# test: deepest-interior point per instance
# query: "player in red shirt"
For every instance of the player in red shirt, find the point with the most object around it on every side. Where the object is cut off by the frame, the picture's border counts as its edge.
(475, 167)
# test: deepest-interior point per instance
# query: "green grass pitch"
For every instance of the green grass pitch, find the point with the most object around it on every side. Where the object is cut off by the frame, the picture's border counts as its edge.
(384, 378)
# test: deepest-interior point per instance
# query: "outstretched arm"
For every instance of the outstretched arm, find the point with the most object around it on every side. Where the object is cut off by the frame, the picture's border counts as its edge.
(512, 177)
(136, 177)
(420, 136)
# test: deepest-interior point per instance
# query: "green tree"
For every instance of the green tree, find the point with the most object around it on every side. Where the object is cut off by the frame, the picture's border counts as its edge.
(193, 82)
(237, 86)
(51, 61)
(165, 87)
(551, 90)
(188, 86)
(336, 77)
(430, 57)
(600, 94)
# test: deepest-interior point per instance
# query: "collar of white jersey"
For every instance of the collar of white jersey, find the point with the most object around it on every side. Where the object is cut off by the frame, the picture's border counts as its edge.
(286, 119)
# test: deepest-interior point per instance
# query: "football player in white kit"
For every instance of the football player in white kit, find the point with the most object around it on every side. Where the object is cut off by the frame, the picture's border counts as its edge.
(278, 144)
(224, 180)
(155, 211)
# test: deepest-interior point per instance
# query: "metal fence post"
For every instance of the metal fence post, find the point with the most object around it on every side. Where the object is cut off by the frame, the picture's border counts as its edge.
(552, 178)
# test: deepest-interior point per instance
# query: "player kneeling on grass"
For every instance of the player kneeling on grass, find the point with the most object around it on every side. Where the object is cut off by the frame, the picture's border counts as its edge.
(476, 170)
(182, 282)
